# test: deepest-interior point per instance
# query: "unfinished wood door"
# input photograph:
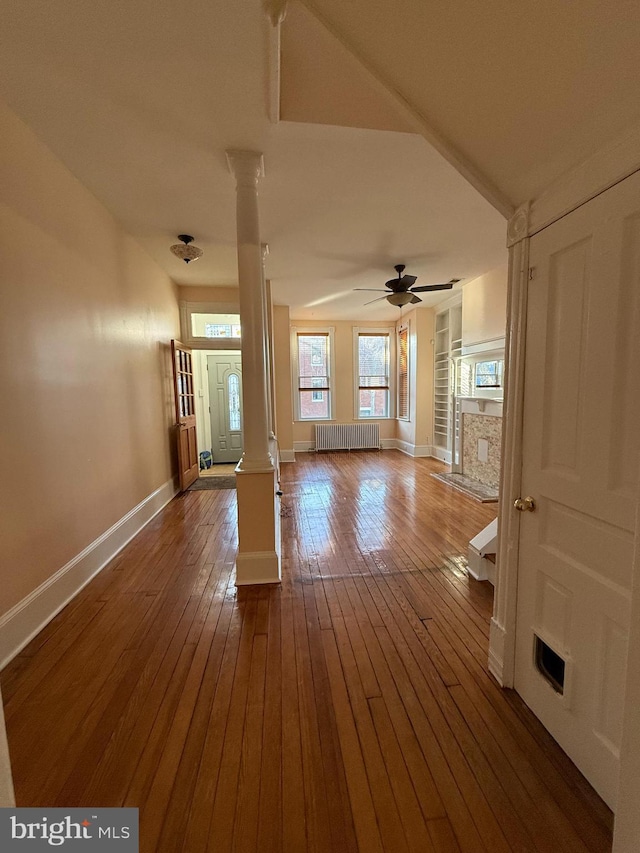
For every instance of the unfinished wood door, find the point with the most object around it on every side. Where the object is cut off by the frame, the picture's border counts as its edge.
(185, 414)
(581, 454)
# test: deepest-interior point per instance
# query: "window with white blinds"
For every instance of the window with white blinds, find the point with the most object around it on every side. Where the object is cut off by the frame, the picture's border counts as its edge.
(403, 373)
(373, 374)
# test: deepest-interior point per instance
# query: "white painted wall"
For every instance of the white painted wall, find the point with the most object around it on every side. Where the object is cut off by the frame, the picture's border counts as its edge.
(203, 421)
(484, 307)
(417, 431)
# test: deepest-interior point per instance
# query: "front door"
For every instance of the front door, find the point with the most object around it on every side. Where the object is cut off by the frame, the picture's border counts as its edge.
(225, 405)
(581, 454)
(184, 396)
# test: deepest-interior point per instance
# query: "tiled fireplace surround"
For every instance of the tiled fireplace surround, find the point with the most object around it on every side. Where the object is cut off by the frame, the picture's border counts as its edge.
(481, 426)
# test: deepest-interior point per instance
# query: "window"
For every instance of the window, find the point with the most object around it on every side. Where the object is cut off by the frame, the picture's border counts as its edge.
(233, 394)
(313, 370)
(373, 374)
(210, 325)
(316, 382)
(466, 379)
(489, 374)
(403, 373)
(221, 330)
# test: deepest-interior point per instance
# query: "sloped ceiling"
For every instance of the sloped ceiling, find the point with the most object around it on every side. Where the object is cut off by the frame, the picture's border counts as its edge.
(141, 99)
(523, 91)
(323, 83)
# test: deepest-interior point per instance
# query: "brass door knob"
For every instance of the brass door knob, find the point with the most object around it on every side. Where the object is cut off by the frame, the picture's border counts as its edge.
(525, 504)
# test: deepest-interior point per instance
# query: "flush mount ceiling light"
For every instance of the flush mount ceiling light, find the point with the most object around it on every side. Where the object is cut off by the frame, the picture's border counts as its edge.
(184, 251)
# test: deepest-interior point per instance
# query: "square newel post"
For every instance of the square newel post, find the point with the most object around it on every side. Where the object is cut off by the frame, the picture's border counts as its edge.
(258, 559)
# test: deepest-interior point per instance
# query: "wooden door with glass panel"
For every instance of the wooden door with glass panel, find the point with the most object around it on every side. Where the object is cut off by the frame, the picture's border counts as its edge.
(184, 393)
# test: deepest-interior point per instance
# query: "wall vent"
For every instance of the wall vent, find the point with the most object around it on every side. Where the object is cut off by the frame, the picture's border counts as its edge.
(550, 665)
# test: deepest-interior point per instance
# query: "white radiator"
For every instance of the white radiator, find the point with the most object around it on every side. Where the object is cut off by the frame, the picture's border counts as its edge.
(347, 436)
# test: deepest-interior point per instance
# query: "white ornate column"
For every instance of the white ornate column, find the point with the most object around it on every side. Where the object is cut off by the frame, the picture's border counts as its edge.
(247, 166)
(502, 635)
(266, 309)
(258, 559)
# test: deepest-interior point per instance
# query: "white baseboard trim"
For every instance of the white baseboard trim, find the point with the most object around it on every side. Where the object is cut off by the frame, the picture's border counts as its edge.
(303, 446)
(287, 456)
(256, 567)
(496, 651)
(415, 450)
(442, 455)
(26, 619)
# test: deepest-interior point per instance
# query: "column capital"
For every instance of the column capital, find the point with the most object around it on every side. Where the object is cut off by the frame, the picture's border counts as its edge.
(246, 166)
(275, 10)
(518, 225)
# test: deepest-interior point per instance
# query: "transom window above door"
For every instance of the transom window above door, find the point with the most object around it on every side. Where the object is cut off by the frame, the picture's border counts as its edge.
(210, 325)
(215, 325)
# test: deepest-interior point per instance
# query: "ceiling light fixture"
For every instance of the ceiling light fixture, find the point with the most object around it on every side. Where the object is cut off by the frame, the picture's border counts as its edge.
(400, 299)
(184, 251)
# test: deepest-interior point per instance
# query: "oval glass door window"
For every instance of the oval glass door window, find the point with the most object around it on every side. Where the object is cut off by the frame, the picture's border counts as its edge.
(233, 394)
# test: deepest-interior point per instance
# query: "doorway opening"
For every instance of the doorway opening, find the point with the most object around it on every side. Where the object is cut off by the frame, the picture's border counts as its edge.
(218, 388)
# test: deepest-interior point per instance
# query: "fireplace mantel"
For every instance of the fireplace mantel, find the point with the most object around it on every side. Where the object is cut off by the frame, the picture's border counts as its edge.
(483, 405)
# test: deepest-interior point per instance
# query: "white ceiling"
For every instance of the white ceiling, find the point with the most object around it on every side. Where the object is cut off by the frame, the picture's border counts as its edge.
(141, 99)
(523, 91)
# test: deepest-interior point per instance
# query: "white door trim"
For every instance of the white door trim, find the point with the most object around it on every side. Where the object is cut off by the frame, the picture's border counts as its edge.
(610, 166)
(503, 624)
(595, 175)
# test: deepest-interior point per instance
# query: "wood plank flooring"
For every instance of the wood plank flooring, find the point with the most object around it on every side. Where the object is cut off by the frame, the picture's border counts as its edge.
(348, 709)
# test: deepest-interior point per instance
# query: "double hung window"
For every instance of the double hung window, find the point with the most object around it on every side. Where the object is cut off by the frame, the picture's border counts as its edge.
(313, 371)
(373, 374)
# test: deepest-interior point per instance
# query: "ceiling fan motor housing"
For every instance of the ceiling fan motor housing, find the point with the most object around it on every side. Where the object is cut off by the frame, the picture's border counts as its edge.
(401, 290)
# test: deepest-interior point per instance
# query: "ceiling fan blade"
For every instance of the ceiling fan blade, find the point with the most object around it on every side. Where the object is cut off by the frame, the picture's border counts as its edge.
(375, 300)
(400, 285)
(426, 287)
(372, 289)
(416, 299)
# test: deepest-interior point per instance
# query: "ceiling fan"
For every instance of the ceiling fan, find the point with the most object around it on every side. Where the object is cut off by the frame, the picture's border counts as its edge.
(400, 291)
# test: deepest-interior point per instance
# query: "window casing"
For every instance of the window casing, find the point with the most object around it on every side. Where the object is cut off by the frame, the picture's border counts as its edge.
(373, 359)
(488, 374)
(312, 355)
(403, 373)
(210, 325)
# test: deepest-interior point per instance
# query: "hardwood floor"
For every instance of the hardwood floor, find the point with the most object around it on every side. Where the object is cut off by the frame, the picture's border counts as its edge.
(347, 709)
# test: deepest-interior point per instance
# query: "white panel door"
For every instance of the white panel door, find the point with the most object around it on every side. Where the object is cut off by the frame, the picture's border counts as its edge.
(581, 454)
(225, 406)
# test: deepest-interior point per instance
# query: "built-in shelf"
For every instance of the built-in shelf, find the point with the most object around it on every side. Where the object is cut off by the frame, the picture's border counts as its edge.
(448, 346)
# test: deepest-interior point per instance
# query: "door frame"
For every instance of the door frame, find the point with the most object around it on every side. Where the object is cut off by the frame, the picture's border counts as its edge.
(599, 173)
(212, 406)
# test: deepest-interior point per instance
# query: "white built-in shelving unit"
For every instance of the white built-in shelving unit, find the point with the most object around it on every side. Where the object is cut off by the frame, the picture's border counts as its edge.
(448, 349)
